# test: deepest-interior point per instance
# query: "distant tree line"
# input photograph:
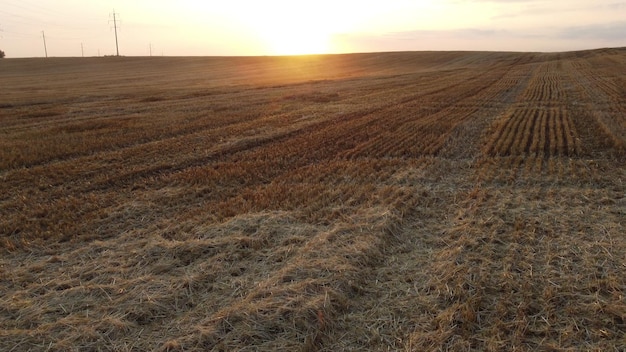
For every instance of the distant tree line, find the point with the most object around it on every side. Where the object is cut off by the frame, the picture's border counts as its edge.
(1, 54)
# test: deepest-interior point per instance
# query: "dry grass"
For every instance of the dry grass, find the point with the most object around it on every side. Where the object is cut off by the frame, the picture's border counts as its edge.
(399, 201)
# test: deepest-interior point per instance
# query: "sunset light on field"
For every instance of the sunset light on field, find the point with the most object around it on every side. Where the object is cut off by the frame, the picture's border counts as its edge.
(278, 27)
(321, 175)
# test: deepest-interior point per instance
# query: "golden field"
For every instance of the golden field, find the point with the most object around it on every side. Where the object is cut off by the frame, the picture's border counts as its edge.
(416, 201)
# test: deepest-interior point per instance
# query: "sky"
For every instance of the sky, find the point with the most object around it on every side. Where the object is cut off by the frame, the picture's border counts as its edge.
(279, 27)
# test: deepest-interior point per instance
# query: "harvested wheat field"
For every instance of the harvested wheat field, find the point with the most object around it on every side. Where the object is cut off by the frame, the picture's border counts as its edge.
(417, 201)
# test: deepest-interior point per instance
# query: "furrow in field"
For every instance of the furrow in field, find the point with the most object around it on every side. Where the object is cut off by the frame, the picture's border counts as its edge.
(539, 136)
(292, 149)
(422, 132)
(110, 123)
(599, 103)
(538, 125)
(526, 138)
(191, 143)
(272, 148)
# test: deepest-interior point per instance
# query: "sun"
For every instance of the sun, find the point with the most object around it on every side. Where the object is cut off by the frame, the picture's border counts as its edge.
(291, 28)
(298, 41)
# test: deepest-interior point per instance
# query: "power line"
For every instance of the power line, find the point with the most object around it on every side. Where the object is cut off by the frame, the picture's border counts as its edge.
(21, 35)
(35, 8)
(32, 19)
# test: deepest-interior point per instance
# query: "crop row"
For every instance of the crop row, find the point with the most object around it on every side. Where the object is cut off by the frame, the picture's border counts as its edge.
(600, 100)
(222, 171)
(547, 132)
(424, 126)
(531, 127)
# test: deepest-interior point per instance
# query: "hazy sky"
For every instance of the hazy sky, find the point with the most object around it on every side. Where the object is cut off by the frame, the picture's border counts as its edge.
(271, 27)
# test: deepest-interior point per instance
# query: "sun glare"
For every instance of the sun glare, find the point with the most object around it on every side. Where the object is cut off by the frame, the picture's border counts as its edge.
(296, 42)
(289, 28)
(294, 36)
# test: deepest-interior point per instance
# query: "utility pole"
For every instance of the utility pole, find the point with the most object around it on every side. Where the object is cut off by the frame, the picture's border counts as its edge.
(82, 52)
(150, 49)
(45, 48)
(117, 48)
